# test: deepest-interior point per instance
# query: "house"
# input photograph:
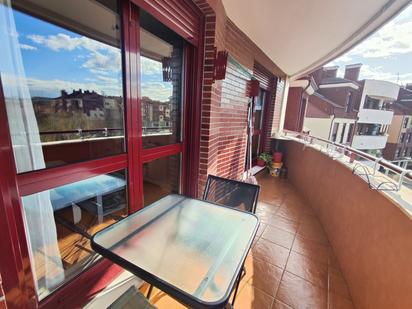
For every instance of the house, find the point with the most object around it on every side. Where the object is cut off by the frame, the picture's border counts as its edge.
(399, 145)
(184, 67)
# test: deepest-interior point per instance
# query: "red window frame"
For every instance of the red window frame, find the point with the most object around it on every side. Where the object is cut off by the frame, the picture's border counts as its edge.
(15, 268)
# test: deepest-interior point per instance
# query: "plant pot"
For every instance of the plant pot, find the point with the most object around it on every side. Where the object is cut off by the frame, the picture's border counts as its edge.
(261, 163)
(277, 157)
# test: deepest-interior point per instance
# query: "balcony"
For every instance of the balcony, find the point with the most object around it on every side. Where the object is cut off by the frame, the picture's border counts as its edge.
(291, 264)
(326, 240)
(369, 141)
(375, 116)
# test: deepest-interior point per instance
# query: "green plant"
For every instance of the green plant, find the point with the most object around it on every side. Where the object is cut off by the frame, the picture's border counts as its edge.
(267, 157)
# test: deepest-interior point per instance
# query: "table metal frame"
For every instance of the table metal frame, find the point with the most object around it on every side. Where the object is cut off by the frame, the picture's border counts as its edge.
(175, 292)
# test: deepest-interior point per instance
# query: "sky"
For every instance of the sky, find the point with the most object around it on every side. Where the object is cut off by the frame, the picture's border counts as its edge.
(56, 59)
(386, 54)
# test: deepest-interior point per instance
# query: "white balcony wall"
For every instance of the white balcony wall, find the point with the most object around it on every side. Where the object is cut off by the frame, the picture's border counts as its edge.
(379, 89)
(375, 116)
(319, 127)
(370, 142)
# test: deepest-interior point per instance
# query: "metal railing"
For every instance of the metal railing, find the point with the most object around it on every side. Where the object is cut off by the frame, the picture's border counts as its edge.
(81, 132)
(379, 173)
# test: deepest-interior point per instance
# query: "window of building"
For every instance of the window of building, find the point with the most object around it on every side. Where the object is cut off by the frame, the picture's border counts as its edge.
(335, 131)
(350, 132)
(405, 122)
(402, 138)
(371, 103)
(342, 134)
(398, 152)
(409, 138)
(405, 152)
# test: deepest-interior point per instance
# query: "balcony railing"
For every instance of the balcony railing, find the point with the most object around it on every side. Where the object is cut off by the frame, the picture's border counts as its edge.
(380, 174)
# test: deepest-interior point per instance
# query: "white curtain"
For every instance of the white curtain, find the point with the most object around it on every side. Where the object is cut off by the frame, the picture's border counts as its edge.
(39, 219)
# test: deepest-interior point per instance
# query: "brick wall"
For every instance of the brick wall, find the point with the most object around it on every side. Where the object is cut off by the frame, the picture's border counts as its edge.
(224, 103)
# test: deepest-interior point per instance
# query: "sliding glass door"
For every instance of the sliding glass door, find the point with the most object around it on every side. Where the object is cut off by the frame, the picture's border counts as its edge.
(95, 103)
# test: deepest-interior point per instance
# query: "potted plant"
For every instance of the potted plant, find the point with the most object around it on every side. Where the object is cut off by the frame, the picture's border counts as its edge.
(264, 159)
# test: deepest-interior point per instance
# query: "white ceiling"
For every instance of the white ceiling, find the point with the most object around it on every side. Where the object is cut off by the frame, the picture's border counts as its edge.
(301, 35)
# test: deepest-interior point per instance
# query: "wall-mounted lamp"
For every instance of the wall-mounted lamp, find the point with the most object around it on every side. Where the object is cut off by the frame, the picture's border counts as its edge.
(220, 64)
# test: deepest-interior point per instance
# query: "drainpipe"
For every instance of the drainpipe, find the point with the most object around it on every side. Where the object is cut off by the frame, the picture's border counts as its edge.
(331, 124)
(300, 106)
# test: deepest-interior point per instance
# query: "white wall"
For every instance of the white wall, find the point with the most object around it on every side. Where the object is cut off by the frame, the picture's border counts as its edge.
(375, 116)
(318, 127)
(379, 89)
(369, 142)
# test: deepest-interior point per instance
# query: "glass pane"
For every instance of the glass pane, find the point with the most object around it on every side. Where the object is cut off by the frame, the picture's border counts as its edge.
(59, 224)
(161, 84)
(160, 178)
(63, 89)
(194, 246)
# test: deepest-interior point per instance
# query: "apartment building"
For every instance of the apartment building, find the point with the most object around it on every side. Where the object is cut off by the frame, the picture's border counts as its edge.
(399, 145)
(348, 110)
(375, 115)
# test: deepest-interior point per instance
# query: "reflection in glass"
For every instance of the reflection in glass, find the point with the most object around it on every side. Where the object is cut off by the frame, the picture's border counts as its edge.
(257, 123)
(63, 90)
(60, 222)
(161, 85)
(160, 178)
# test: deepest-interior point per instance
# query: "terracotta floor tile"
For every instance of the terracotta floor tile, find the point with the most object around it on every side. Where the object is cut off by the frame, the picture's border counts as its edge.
(309, 218)
(250, 297)
(299, 293)
(284, 223)
(277, 304)
(294, 200)
(278, 236)
(266, 207)
(311, 249)
(313, 232)
(337, 284)
(310, 270)
(260, 230)
(265, 276)
(271, 253)
(289, 213)
(163, 301)
(338, 302)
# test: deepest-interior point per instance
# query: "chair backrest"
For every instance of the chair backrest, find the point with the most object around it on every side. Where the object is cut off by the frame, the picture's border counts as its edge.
(232, 193)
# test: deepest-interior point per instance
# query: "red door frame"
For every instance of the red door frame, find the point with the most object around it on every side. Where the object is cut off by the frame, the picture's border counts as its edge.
(17, 278)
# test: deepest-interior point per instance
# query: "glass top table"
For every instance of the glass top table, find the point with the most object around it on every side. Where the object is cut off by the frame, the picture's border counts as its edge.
(191, 249)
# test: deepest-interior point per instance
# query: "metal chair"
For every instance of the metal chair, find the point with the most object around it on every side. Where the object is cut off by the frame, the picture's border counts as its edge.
(236, 194)
(232, 193)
